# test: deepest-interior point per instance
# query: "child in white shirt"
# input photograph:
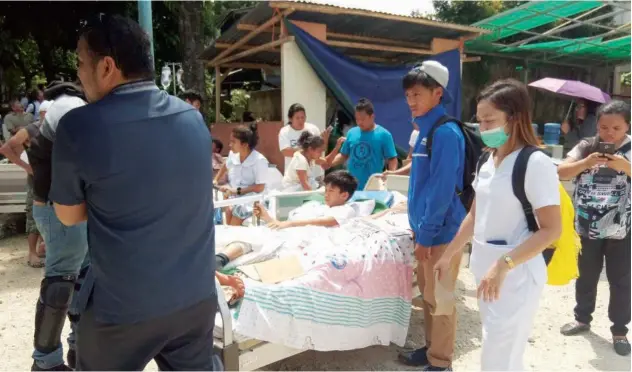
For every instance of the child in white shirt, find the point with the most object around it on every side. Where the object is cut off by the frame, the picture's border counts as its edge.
(339, 187)
(300, 174)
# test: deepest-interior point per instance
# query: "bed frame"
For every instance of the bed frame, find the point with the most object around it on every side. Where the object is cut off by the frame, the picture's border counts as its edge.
(251, 354)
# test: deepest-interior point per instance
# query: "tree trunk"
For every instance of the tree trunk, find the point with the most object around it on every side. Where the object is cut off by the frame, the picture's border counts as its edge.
(191, 28)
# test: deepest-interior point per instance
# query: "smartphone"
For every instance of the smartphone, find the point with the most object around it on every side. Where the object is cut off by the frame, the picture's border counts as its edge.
(605, 148)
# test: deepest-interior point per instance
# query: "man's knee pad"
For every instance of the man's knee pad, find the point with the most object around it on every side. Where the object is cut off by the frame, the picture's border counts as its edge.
(52, 306)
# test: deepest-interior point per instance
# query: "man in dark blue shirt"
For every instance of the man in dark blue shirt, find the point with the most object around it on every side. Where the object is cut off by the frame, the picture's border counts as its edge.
(135, 163)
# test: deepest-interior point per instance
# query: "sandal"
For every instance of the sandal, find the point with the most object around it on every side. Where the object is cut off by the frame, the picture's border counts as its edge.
(35, 265)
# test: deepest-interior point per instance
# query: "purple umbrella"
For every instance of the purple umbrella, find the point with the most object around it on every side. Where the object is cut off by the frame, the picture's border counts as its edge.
(572, 88)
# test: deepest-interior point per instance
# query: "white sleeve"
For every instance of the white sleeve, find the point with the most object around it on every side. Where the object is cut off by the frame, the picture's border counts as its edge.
(299, 163)
(284, 140)
(541, 181)
(262, 171)
(341, 213)
(413, 138)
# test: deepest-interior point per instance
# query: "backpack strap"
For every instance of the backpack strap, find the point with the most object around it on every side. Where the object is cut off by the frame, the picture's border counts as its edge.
(442, 120)
(517, 182)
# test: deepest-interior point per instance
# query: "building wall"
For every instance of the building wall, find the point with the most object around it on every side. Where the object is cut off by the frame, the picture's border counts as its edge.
(268, 139)
(300, 84)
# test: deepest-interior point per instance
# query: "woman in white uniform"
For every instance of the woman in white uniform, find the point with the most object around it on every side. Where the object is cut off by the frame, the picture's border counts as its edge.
(507, 259)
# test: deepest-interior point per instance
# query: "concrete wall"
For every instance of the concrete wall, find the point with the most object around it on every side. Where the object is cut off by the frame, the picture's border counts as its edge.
(300, 84)
(268, 140)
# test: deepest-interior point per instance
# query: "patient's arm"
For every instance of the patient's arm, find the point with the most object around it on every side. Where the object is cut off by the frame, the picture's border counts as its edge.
(321, 221)
(398, 208)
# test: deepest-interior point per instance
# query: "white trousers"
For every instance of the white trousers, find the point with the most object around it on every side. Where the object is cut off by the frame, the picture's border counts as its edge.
(507, 322)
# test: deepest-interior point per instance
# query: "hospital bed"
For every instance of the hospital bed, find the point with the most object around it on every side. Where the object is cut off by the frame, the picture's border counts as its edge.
(242, 353)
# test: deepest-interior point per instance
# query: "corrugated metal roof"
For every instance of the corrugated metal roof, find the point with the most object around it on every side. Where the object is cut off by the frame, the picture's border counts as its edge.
(345, 20)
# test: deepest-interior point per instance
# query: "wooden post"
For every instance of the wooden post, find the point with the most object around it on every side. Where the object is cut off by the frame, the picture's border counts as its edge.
(218, 92)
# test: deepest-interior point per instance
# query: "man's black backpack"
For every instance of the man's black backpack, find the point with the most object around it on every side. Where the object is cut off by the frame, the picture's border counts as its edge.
(473, 150)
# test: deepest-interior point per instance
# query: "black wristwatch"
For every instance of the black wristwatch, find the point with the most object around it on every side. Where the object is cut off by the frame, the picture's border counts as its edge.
(239, 191)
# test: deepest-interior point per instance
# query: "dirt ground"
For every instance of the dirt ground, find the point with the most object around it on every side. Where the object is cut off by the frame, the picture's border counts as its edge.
(548, 349)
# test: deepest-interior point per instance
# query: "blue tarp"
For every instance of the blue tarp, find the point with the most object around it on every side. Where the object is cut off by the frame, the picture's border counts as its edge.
(349, 80)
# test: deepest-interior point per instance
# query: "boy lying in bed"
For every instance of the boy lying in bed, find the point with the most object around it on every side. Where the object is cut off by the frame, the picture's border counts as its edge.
(339, 187)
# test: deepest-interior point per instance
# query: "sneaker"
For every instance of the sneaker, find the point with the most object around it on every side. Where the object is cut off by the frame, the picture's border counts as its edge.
(415, 358)
(61, 367)
(574, 328)
(621, 346)
(71, 358)
(433, 368)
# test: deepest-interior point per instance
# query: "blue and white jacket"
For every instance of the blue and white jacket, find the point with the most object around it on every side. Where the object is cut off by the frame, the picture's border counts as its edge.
(435, 211)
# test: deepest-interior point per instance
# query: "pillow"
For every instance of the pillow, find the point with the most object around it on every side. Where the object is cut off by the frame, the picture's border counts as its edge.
(363, 208)
(385, 197)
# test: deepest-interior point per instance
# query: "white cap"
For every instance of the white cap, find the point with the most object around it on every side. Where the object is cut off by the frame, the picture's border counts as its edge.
(440, 74)
(45, 105)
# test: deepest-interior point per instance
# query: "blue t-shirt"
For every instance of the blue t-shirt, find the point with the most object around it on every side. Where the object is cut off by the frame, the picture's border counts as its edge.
(141, 161)
(367, 152)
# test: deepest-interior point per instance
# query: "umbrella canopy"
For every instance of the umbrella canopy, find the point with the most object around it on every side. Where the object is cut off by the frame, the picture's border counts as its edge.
(572, 88)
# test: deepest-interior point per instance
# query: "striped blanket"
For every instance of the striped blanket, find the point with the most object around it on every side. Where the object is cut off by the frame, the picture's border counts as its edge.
(356, 291)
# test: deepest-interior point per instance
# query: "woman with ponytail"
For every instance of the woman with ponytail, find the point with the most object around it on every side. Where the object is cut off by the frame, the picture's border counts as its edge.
(247, 170)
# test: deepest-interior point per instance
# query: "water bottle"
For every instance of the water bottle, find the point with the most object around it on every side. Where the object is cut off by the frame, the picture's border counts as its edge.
(536, 128)
(552, 133)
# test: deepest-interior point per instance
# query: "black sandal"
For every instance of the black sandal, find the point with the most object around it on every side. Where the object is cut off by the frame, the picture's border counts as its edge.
(621, 346)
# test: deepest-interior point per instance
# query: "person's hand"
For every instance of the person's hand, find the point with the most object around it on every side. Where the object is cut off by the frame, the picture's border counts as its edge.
(278, 225)
(256, 210)
(442, 267)
(617, 162)
(227, 190)
(566, 127)
(594, 159)
(489, 289)
(28, 169)
(422, 253)
(340, 142)
(385, 174)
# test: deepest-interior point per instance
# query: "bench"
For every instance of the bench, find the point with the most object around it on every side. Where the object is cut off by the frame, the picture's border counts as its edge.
(12, 189)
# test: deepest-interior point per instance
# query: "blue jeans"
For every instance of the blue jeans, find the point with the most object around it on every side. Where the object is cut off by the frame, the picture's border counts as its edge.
(66, 254)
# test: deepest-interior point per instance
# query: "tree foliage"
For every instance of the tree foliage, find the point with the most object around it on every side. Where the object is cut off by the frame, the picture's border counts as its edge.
(468, 12)
(38, 39)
